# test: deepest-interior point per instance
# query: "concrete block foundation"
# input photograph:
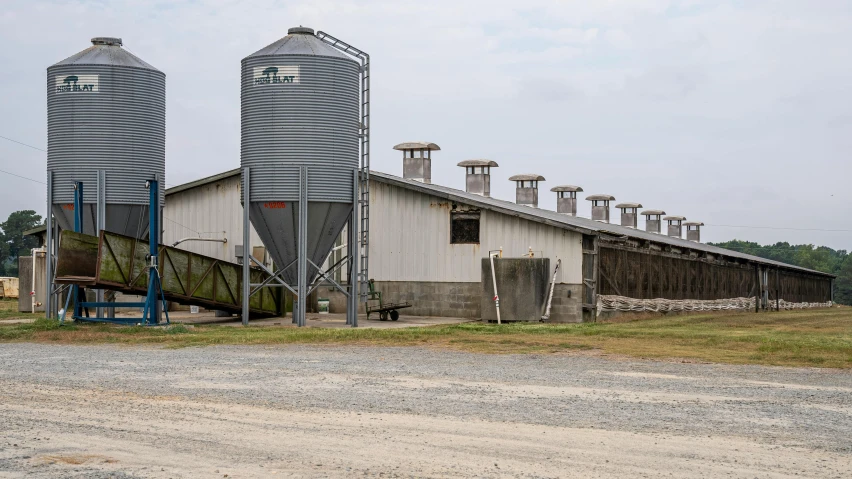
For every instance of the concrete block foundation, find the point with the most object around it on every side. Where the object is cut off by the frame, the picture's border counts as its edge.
(455, 300)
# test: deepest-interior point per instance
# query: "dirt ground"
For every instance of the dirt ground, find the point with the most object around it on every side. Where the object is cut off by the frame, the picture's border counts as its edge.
(299, 411)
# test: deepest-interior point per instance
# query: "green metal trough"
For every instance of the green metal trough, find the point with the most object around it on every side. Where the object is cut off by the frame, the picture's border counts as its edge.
(117, 262)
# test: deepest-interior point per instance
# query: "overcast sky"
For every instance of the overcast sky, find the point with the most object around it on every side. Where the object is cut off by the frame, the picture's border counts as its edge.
(729, 112)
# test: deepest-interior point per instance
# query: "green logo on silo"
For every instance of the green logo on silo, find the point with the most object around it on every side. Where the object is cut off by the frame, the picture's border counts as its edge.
(77, 83)
(276, 75)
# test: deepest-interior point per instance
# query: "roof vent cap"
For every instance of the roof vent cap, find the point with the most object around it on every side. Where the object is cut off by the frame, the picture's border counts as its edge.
(300, 30)
(106, 41)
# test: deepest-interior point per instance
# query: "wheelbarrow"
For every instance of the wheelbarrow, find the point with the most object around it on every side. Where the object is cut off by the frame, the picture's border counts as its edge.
(386, 310)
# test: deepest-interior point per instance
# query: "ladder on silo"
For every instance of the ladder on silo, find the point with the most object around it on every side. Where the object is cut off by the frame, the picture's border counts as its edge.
(364, 186)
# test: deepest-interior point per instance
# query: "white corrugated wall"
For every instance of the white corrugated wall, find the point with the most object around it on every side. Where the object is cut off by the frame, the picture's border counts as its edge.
(409, 234)
(209, 211)
(410, 240)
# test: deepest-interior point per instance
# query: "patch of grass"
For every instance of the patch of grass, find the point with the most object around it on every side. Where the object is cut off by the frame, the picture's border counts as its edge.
(9, 310)
(820, 337)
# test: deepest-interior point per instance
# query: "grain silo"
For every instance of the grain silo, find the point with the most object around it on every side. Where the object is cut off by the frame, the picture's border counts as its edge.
(106, 124)
(302, 123)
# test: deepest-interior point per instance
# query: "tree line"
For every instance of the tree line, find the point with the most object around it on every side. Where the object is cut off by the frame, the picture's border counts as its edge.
(819, 258)
(13, 242)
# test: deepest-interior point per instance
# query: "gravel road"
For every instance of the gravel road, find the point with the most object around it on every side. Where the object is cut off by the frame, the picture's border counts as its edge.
(296, 411)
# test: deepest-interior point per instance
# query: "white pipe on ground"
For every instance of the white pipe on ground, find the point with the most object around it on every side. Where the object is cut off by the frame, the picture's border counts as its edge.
(491, 255)
(550, 296)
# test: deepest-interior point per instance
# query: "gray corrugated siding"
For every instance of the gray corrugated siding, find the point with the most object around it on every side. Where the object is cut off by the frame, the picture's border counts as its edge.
(410, 240)
(313, 122)
(120, 129)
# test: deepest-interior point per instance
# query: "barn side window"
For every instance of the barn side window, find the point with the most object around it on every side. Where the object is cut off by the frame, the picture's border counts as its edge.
(464, 227)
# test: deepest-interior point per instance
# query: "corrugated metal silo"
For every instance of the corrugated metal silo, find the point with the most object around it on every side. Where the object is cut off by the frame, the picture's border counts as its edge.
(106, 111)
(300, 107)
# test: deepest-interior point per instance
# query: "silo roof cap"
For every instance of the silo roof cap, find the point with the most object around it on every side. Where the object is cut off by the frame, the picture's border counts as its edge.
(527, 177)
(694, 223)
(106, 51)
(106, 41)
(417, 145)
(566, 188)
(478, 163)
(675, 218)
(300, 30)
(628, 205)
(652, 212)
(300, 41)
(600, 198)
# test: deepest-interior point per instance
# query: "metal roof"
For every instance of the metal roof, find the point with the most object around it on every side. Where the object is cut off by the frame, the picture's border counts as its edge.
(416, 145)
(600, 198)
(628, 205)
(566, 188)
(106, 51)
(35, 231)
(482, 162)
(301, 41)
(527, 177)
(552, 218)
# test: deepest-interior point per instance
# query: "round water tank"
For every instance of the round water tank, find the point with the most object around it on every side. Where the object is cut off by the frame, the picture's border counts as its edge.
(106, 110)
(300, 106)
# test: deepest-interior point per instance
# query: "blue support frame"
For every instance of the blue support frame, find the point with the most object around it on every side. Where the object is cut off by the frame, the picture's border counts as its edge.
(149, 306)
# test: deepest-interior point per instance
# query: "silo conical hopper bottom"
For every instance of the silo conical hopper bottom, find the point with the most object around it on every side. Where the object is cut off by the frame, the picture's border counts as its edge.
(123, 219)
(278, 229)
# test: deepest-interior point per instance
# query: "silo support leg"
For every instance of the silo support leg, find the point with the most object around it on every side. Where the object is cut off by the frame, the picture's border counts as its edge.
(100, 222)
(50, 298)
(354, 250)
(302, 286)
(246, 245)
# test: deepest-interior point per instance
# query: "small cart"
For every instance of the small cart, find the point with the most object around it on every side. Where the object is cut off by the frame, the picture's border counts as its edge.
(385, 310)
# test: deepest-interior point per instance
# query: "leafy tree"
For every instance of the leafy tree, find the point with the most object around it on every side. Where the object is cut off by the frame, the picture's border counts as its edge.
(843, 283)
(819, 258)
(12, 239)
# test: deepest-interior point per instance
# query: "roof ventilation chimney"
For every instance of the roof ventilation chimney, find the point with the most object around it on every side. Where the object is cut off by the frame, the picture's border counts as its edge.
(526, 190)
(478, 179)
(693, 230)
(652, 220)
(566, 199)
(600, 207)
(417, 160)
(675, 228)
(629, 214)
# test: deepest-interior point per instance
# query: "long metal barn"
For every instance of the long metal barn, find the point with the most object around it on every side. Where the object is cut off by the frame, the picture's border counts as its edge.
(313, 225)
(429, 246)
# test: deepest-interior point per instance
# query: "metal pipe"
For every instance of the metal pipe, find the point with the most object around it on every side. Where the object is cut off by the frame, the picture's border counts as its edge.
(151, 313)
(246, 243)
(302, 266)
(49, 300)
(214, 240)
(353, 251)
(494, 280)
(100, 222)
(552, 287)
(78, 228)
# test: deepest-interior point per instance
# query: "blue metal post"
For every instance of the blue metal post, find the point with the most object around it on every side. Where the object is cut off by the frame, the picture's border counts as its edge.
(78, 228)
(153, 246)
